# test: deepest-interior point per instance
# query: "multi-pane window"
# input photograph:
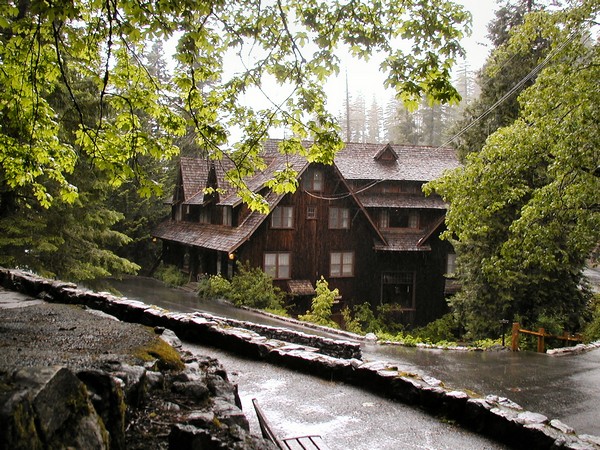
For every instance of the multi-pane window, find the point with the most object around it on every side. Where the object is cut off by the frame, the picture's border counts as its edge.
(398, 218)
(227, 215)
(277, 265)
(451, 265)
(339, 218)
(313, 180)
(311, 212)
(282, 217)
(341, 264)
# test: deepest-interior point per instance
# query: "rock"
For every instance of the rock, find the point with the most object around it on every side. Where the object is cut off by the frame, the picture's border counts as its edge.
(169, 337)
(50, 408)
(134, 380)
(188, 437)
(193, 390)
(230, 414)
(528, 417)
(562, 427)
(108, 399)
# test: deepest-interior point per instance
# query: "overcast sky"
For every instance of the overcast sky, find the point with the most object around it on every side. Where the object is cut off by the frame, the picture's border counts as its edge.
(364, 78)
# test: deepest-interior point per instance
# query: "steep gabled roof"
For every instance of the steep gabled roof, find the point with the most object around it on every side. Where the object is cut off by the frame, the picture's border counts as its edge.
(386, 153)
(214, 237)
(414, 163)
(354, 162)
(193, 173)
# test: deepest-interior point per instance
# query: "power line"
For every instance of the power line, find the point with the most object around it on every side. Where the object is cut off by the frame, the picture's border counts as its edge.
(515, 88)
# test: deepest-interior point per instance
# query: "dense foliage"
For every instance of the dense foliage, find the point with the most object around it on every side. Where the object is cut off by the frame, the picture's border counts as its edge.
(48, 45)
(250, 286)
(91, 112)
(525, 211)
(321, 307)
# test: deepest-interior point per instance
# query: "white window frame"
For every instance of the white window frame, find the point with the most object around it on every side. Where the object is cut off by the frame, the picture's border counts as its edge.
(277, 265)
(339, 218)
(341, 264)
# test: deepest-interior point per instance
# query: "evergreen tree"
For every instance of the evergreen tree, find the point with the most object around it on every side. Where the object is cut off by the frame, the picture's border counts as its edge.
(525, 210)
(498, 78)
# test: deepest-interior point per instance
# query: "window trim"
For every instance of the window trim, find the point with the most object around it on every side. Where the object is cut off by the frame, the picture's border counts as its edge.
(314, 180)
(280, 213)
(341, 273)
(277, 266)
(339, 218)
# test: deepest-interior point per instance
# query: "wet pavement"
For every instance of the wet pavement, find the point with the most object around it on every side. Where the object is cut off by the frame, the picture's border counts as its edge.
(560, 387)
(345, 417)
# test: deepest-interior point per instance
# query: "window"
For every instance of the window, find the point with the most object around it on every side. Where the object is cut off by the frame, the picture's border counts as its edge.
(282, 217)
(204, 215)
(341, 264)
(451, 265)
(398, 288)
(313, 180)
(277, 265)
(399, 218)
(227, 215)
(311, 212)
(339, 218)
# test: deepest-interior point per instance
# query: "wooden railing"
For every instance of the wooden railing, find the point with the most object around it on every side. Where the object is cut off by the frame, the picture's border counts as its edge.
(541, 337)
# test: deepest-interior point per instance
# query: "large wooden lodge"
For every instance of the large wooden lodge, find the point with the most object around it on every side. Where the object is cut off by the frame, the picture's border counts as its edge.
(362, 223)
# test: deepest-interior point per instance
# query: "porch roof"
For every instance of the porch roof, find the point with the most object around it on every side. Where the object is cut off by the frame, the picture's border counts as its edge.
(402, 242)
(401, 201)
(301, 287)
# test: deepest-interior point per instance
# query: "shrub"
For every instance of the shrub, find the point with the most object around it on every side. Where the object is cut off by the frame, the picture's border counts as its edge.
(320, 311)
(361, 319)
(254, 288)
(214, 286)
(171, 275)
(351, 324)
(443, 329)
(591, 331)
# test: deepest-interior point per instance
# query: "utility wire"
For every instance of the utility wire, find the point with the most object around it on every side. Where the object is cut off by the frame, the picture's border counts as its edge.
(515, 88)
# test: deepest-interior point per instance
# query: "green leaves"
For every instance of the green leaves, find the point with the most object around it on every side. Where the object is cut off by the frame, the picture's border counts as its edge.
(524, 210)
(47, 47)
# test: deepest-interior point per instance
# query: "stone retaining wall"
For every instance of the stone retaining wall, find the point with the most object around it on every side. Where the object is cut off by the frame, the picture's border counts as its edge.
(493, 416)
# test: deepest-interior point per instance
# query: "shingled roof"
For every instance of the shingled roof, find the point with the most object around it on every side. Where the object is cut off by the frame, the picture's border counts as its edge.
(355, 162)
(414, 163)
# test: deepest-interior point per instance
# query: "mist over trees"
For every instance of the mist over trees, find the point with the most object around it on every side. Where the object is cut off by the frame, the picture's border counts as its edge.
(392, 121)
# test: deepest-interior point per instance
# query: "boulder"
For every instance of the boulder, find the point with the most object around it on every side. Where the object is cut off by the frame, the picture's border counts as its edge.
(49, 407)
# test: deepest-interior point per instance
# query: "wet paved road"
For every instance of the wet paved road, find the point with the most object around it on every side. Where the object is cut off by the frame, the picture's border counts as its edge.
(565, 387)
(347, 418)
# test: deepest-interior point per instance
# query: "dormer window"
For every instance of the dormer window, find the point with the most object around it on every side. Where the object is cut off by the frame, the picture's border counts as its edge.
(204, 216)
(399, 218)
(227, 215)
(386, 154)
(313, 180)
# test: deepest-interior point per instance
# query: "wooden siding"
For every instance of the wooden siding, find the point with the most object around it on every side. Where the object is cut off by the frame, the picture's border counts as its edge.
(310, 241)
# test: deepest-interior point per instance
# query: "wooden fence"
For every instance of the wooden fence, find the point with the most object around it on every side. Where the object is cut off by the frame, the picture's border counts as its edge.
(541, 337)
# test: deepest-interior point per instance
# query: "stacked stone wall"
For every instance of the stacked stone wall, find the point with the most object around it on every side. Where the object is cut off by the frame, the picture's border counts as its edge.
(492, 416)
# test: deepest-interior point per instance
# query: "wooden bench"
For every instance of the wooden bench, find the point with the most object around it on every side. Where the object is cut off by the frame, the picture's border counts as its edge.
(292, 443)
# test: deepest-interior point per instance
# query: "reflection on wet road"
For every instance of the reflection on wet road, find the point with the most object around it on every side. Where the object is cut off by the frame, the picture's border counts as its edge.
(347, 418)
(565, 387)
